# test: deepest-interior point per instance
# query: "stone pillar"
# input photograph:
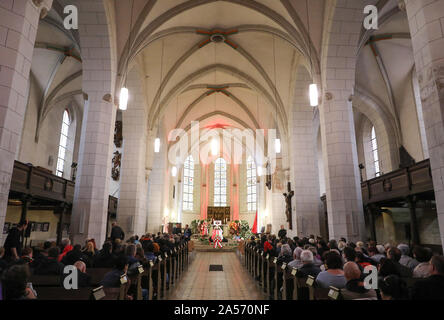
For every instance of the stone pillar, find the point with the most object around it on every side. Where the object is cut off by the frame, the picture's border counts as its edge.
(411, 201)
(90, 208)
(303, 157)
(132, 211)
(344, 198)
(18, 28)
(425, 20)
(157, 187)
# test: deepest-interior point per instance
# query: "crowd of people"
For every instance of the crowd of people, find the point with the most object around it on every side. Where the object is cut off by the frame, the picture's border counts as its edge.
(344, 265)
(17, 264)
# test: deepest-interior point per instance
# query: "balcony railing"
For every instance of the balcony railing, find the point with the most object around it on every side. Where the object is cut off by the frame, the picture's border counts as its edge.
(43, 184)
(398, 184)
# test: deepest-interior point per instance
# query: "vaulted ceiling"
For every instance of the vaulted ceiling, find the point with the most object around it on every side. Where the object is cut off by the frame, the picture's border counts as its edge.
(226, 62)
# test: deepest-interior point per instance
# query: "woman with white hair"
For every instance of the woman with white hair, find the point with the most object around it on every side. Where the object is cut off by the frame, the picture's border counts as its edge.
(308, 268)
(285, 254)
(296, 263)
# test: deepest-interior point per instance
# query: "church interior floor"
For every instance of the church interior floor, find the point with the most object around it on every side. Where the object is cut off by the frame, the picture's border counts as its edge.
(233, 283)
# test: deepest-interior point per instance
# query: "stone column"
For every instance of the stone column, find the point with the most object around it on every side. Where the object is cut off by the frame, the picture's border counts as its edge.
(90, 208)
(303, 157)
(18, 28)
(157, 187)
(344, 199)
(132, 211)
(426, 20)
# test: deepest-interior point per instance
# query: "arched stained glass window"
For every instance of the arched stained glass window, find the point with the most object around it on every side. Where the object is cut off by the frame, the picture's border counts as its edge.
(220, 183)
(62, 144)
(251, 185)
(374, 145)
(188, 184)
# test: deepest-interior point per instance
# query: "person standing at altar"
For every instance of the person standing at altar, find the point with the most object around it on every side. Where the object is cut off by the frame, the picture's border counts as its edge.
(187, 232)
(282, 233)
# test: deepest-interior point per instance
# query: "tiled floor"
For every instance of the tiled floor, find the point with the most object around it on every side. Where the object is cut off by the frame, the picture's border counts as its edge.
(234, 283)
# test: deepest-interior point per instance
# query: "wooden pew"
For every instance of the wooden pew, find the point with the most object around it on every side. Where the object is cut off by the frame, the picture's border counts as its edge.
(60, 293)
(164, 273)
(276, 266)
(148, 277)
(267, 270)
(262, 270)
(45, 280)
(317, 293)
(136, 280)
(97, 275)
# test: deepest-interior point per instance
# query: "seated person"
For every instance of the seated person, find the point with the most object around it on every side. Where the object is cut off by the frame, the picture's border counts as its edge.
(84, 279)
(112, 278)
(361, 260)
(50, 265)
(26, 257)
(387, 267)
(74, 255)
(308, 268)
(285, 254)
(405, 259)
(395, 255)
(432, 287)
(296, 263)
(104, 258)
(15, 283)
(148, 247)
(354, 288)
(333, 275)
(392, 288)
(376, 253)
(423, 256)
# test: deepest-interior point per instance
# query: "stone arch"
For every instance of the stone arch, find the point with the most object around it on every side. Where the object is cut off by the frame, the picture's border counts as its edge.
(207, 94)
(386, 133)
(299, 35)
(223, 68)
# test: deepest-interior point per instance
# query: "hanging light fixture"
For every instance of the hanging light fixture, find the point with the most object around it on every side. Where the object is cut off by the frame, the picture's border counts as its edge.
(214, 147)
(313, 88)
(277, 141)
(259, 171)
(314, 95)
(277, 145)
(157, 140)
(157, 145)
(174, 171)
(124, 94)
(123, 100)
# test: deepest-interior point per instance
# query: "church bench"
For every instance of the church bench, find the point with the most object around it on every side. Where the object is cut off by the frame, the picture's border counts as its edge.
(317, 293)
(45, 280)
(60, 293)
(97, 275)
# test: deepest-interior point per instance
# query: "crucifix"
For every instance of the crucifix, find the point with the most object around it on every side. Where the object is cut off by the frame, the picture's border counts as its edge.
(288, 195)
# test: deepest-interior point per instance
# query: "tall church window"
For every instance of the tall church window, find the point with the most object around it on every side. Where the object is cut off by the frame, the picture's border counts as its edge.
(188, 184)
(251, 184)
(374, 145)
(62, 144)
(220, 183)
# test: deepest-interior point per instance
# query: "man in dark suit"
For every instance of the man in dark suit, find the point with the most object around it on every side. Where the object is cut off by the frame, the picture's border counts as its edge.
(116, 232)
(177, 229)
(282, 233)
(187, 232)
(13, 245)
(431, 288)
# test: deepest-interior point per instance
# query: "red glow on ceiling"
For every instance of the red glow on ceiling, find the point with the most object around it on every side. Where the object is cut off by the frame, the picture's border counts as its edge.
(217, 125)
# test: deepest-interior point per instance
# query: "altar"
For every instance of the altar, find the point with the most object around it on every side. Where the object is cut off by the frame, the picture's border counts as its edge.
(219, 213)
